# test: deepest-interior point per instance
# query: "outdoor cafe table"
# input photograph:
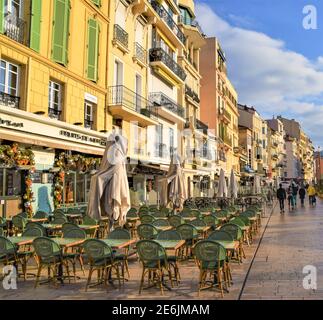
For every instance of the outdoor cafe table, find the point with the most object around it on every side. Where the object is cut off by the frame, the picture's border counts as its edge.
(163, 228)
(203, 230)
(119, 243)
(171, 244)
(21, 241)
(88, 226)
(68, 242)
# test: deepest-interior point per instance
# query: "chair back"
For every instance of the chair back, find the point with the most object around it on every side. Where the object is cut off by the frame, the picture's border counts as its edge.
(195, 213)
(7, 248)
(19, 222)
(175, 221)
(160, 214)
(58, 213)
(89, 221)
(31, 225)
(245, 220)
(3, 222)
(46, 248)
(33, 232)
(147, 231)
(161, 223)
(187, 231)
(132, 210)
(198, 223)
(208, 251)
(76, 233)
(68, 226)
(211, 221)
(59, 220)
(23, 214)
(150, 251)
(96, 249)
(1, 232)
(238, 222)
(119, 234)
(233, 229)
(40, 215)
(132, 214)
(220, 235)
(169, 235)
(147, 218)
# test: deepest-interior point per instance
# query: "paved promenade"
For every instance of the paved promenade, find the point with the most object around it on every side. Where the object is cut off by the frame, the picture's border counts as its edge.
(272, 270)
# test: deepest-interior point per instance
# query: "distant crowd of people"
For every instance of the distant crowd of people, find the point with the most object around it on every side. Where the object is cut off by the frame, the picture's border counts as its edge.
(291, 192)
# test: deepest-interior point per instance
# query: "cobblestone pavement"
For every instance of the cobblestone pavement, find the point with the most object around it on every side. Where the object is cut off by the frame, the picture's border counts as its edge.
(290, 242)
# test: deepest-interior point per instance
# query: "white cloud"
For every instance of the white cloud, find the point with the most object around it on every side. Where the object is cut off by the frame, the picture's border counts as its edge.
(267, 75)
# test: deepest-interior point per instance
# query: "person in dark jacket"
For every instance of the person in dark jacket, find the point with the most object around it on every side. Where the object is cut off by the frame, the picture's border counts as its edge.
(281, 196)
(294, 193)
(302, 194)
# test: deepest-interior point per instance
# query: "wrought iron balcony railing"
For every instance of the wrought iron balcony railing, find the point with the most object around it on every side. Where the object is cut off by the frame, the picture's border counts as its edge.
(199, 125)
(14, 28)
(140, 53)
(121, 95)
(9, 100)
(159, 99)
(159, 54)
(120, 35)
(162, 12)
(54, 113)
(189, 91)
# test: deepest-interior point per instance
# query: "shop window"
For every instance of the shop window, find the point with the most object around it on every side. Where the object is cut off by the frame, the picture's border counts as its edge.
(55, 95)
(10, 182)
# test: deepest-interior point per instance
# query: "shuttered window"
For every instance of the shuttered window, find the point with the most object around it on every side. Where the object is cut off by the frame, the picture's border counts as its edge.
(97, 2)
(93, 49)
(36, 7)
(1, 16)
(61, 19)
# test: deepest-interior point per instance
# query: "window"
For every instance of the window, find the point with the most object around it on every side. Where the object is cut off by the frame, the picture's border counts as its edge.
(61, 21)
(159, 141)
(55, 100)
(9, 78)
(118, 73)
(10, 182)
(89, 112)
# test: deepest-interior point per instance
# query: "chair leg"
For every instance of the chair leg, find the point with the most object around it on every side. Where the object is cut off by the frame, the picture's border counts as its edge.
(38, 275)
(89, 278)
(142, 279)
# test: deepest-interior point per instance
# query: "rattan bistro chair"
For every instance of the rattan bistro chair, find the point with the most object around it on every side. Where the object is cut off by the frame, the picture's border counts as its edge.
(211, 259)
(100, 257)
(50, 256)
(154, 263)
(19, 224)
(147, 231)
(190, 234)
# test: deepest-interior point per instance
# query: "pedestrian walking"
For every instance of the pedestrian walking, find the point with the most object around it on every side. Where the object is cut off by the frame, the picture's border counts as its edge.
(294, 193)
(302, 194)
(281, 196)
(290, 198)
(311, 195)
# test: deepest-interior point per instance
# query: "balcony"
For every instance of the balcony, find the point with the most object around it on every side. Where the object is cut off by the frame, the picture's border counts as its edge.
(227, 139)
(129, 106)
(9, 100)
(14, 28)
(54, 113)
(226, 116)
(189, 92)
(140, 55)
(120, 38)
(167, 18)
(167, 108)
(201, 126)
(166, 67)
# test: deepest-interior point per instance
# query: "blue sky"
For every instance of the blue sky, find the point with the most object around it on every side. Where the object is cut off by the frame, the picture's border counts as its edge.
(274, 63)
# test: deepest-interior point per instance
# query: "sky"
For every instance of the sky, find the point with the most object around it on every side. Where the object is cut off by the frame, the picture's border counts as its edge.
(275, 64)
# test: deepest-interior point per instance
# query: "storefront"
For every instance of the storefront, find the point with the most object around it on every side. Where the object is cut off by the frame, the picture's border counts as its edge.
(63, 158)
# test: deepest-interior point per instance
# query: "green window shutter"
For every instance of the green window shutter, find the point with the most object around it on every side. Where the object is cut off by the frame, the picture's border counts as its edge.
(61, 21)
(97, 2)
(1, 16)
(36, 6)
(93, 49)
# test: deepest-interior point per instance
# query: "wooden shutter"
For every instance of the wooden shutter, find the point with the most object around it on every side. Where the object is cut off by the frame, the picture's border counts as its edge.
(60, 31)
(36, 8)
(93, 50)
(1, 16)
